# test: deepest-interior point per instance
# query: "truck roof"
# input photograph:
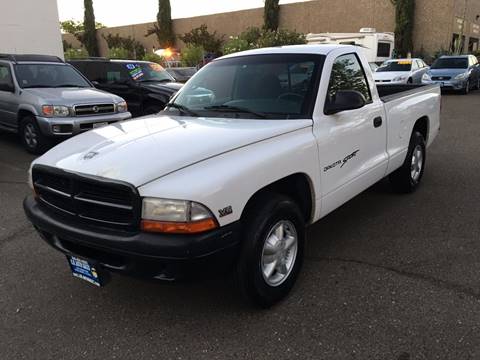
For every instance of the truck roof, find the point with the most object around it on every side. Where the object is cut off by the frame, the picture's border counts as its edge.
(322, 49)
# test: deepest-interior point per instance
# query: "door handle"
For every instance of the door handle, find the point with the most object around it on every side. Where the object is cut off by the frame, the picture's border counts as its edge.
(377, 122)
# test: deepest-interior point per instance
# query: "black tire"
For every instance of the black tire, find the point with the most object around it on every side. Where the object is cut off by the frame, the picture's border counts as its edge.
(467, 88)
(478, 84)
(31, 136)
(405, 179)
(410, 81)
(265, 214)
(152, 109)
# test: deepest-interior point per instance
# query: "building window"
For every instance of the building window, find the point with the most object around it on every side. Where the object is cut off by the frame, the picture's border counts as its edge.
(473, 45)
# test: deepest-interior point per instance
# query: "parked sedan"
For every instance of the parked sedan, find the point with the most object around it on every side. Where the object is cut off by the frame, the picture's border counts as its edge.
(455, 73)
(401, 71)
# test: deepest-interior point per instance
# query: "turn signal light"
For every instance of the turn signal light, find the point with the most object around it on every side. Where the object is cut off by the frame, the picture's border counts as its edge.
(179, 227)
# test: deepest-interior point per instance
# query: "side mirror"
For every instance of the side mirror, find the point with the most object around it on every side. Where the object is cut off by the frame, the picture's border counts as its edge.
(7, 87)
(345, 100)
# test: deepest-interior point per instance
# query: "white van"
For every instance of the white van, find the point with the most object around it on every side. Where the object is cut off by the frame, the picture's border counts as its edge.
(378, 46)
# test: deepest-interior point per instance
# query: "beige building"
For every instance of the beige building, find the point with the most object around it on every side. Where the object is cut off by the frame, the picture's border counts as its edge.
(438, 23)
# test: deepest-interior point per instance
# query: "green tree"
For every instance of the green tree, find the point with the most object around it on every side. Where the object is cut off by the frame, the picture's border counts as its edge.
(271, 14)
(163, 29)
(201, 37)
(254, 38)
(74, 27)
(90, 33)
(404, 19)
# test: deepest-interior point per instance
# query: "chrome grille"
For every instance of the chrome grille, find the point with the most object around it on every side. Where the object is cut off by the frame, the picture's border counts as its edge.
(436, 78)
(93, 109)
(89, 200)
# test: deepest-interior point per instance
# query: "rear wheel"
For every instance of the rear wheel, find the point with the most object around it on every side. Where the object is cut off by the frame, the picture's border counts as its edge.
(407, 178)
(467, 88)
(272, 251)
(32, 138)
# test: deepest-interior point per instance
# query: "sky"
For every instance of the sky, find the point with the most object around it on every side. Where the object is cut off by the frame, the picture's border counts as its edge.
(125, 12)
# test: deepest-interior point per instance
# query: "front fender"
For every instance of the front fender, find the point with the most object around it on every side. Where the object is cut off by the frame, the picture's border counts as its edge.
(232, 178)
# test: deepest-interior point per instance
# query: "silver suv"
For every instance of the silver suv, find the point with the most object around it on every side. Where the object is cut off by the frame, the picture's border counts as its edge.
(46, 100)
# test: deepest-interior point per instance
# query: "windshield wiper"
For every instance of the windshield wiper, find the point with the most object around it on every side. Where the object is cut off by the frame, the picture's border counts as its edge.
(182, 109)
(155, 80)
(231, 108)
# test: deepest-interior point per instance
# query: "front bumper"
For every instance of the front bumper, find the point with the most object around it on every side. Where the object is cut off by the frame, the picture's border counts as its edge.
(147, 255)
(449, 84)
(75, 125)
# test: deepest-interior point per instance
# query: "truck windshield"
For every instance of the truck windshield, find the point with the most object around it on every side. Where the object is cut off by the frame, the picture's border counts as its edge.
(148, 72)
(48, 76)
(279, 86)
(450, 63)
(395, 66)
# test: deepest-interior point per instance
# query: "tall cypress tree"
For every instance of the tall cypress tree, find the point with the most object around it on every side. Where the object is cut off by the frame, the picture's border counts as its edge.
(404, 18)
(90, 34)
(163, 29)
(271, 15)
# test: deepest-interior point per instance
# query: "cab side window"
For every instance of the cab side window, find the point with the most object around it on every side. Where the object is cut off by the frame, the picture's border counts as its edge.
(348, 74)
(116, 73)
(5, 76)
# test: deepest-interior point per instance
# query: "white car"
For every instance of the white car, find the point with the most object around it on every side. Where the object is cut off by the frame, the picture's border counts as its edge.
(401, 71)
(232, 171)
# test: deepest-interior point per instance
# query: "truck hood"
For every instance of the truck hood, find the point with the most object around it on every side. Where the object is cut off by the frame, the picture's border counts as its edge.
(72, 96)
(389, 75)
(144, 149)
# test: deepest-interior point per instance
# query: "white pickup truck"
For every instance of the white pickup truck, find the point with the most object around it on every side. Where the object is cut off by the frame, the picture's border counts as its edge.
(255, 147)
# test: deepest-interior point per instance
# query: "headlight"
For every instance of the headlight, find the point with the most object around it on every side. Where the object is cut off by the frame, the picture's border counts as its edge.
(55, 110)
(401, 78)
(426, 77)
(176, 216)
(122, 107)
(462, 76)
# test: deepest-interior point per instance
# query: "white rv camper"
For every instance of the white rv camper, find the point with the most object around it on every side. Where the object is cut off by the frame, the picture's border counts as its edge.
(378, 46)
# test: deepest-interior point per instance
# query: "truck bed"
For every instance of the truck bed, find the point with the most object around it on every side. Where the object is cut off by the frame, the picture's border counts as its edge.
(392, 92)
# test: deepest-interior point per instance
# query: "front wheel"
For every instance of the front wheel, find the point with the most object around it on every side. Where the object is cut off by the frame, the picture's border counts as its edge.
(31, 136)
(407, 178)
(272, 251)
(467, 88)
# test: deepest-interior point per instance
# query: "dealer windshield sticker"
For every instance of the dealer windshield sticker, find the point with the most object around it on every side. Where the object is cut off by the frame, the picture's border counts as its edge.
(342, 163)
(130, 66)
(136, 72)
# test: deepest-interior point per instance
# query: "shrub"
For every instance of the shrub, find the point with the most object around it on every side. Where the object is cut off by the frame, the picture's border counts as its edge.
(192, 55)
(201, 37)
(154, 58)
(134, 48)
(71, 54)
(118, 53)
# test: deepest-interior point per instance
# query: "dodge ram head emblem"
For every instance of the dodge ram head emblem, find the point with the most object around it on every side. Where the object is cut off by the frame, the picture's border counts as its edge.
(90, 155)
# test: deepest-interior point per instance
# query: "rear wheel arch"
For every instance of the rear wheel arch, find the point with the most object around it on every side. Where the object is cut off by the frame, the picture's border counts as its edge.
(298, 187)
(422, 125)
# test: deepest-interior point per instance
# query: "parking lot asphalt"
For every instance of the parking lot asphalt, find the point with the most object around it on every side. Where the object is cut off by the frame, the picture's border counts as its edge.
(387, 276)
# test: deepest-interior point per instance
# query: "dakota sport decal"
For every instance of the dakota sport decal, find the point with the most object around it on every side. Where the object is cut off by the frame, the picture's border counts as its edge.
(341, 162)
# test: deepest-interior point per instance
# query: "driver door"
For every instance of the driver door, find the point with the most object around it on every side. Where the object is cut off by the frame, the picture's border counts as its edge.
(351, 144)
